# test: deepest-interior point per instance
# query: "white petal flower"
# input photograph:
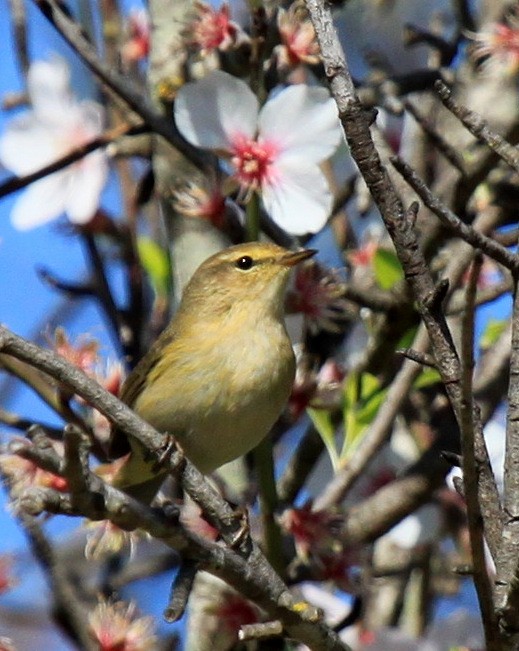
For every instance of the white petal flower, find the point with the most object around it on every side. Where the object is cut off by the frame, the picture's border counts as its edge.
(299, 200)
(275, 150)
(212, 112)
(304, 119)
(56, 124)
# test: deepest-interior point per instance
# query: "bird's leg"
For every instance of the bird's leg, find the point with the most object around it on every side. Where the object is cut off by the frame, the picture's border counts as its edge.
(242, 514)
(171, 456)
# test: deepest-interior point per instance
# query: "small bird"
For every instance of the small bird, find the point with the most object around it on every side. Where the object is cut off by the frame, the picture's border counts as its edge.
(220, 374)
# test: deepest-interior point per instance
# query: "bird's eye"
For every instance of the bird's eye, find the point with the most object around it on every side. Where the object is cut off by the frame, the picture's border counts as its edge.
(244, 263)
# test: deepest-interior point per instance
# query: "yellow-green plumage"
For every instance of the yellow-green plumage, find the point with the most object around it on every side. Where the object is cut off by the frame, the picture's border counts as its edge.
(220, 374)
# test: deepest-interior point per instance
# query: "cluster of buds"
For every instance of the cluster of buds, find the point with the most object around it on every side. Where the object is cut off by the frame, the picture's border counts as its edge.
(7, 578)
(297, 35)
(318, 293)
(117, 625)
(201, 201)
(318, 545)
(320, 389)
(136, 47)
(498, 45)
(104, 538)
(213, 29)
(84, 354)
(22, 474)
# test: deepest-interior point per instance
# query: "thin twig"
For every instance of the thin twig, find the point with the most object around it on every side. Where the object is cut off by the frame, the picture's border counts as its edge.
(300, 465)
(453, 222)
(417, 356)
(19, 26)
(414, 35)
(478, 127)
(18, 182)
(484, 296)
(260, 631)
(72, 288)
(470, 464)
(375, 299)
(436, 139)
(103, 292)
(16, 421)
(180, 591)
(40, 385)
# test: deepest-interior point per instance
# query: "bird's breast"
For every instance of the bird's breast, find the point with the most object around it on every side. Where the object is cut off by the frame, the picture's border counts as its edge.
(221, 392)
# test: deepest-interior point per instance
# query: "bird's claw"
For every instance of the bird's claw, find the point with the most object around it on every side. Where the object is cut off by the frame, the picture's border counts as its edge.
(171, 454)
(243, 532)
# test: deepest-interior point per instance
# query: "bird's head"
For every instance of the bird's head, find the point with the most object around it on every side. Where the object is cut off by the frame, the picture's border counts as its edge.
(253, 273)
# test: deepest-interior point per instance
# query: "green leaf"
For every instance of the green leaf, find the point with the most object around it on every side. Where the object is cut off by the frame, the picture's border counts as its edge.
(362, 400)
(427, 378)
(155, 262)
(492, 332)
(387, 268)
(407, 338)
(322, 421)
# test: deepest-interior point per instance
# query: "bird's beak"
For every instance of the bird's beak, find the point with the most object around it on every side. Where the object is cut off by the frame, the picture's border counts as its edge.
(291, 258)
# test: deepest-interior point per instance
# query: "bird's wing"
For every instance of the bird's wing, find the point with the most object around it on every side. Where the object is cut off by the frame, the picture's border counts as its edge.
(132, 388)
(135, 382)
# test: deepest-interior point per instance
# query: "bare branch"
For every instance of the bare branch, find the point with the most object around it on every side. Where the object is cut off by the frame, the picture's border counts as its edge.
(453, 222)
(249, 574)
(400, 225)
(469, 465)
(478, 127)
(180, 591)
(436, 139)
(260, 631)
(18, 182)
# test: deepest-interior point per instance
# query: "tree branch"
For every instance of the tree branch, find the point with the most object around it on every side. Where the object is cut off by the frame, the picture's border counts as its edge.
(18, 182)
(488, 245)
(400, 225)
(478, 127)
(250, 574)
(469, 465)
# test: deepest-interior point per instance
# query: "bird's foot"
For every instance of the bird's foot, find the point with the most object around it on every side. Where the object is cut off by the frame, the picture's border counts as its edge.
(170, 457)
(243, 532)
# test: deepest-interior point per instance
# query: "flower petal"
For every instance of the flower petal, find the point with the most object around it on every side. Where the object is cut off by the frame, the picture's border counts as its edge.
(41, 202)
(26, 146)
(48, 84)
(303, 121)
(92, 117)
(299, 200)
(211, 112)
(85, 184)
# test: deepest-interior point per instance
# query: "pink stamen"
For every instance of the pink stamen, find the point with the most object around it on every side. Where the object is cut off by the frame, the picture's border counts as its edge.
(253, 161)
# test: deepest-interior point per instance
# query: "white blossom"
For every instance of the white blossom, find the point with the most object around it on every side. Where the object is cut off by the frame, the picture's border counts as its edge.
(56, 124)
(275, 150)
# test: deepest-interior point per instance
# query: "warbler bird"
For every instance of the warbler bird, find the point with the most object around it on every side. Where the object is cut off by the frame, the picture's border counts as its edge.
(220, 374)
